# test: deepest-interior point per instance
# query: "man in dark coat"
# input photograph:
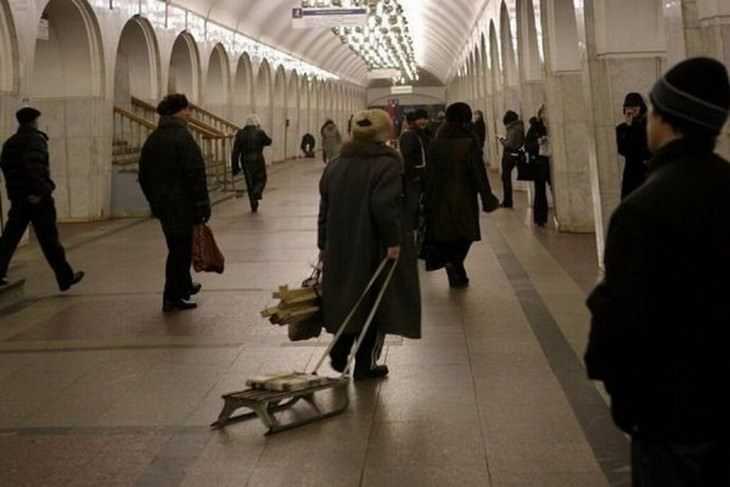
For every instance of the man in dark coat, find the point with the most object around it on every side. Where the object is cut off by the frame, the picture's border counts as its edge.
(362, 219)
(455, 181)
(631, 142)
(660, 334)
(480, 128)
(248, 154)
(25, 165)
(511, 143)
(413, 144)
(173, 179)
(535, 140)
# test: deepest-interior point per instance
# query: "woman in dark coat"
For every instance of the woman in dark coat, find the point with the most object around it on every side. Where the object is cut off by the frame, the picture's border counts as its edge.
(631, 142)
(480, 128)
(248, 154)
(363, 219)
(536, 139)
(455, 179)
(512, 143)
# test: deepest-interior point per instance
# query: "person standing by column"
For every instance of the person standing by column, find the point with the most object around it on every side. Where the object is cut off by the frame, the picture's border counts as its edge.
(331, 141)
(413, 144)
(659, 336)
(480, 128)
(248, 155)
(511, 143)
(25, 166)
(631, 142)
(536, 146)
(172, 177)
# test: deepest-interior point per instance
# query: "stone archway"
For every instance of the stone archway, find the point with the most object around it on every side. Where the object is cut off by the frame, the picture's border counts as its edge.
(184, 74)
(243, 90)
(293, 100)
(217, 83)
(68, 88)
(510, 76)
(263, 97)
(137, 64)
(8, 51)
(279, 99)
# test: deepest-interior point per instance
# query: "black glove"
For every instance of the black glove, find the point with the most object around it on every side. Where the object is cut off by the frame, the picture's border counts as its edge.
(489, 203)
(204, 215)
(236, 170)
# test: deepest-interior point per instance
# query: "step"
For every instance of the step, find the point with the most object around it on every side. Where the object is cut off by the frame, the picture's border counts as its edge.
(12, 293)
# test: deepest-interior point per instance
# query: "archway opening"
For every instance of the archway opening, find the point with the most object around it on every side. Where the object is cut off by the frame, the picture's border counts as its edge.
(262, 97)
(8, 50)
(280, 114)
(294, 133)
(242, 91)
(184, 68)
(136, 70)
(216, 91)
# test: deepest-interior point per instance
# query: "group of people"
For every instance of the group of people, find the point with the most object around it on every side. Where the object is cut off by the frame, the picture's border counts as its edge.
(659, 333)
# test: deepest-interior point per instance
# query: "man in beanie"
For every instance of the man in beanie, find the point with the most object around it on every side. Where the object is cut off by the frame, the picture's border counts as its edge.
(362, 219)
(413, 144)
(631, 142)
(660, 334)
(173, 179)
(25, 165)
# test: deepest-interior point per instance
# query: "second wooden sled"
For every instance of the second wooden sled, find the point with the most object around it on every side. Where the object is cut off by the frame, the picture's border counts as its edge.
(267, 397)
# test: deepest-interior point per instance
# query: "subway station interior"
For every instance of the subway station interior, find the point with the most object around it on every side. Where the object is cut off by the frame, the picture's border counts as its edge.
(99, 387)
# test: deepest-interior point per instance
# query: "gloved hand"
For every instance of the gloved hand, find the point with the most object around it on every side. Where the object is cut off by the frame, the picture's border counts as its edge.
(235, 170)
(204, 215)
(489, 203)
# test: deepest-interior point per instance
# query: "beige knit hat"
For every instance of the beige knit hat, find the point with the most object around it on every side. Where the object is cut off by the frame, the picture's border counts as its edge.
(372, 125)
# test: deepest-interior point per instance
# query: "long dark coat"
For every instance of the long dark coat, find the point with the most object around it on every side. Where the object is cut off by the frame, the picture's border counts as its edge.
(660, 335)
(631, 142)
(248, 154)
(172, 175)
(362, 212)
(455, 181)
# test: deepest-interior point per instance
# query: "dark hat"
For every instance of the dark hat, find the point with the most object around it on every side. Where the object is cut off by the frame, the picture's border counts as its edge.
(420, 114)
(634, 100)
(372, 125)
(695, 91)
(27, 115)
(172, 104)
(458, 113)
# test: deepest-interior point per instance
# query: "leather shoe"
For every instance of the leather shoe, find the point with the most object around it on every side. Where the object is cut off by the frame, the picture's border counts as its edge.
(377, 372)
(178, 305)
(75, 280)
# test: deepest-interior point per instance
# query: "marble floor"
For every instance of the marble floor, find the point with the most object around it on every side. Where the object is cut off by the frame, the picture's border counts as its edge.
(98, 387)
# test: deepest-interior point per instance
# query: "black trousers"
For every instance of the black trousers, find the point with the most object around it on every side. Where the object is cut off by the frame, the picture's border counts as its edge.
(366, 356)
(178, 281)
(508, 164)
(662, 464)
(43, 218)
(540, 205)
(256, 178)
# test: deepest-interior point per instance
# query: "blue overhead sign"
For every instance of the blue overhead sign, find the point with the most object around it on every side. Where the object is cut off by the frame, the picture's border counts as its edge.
(328, 17)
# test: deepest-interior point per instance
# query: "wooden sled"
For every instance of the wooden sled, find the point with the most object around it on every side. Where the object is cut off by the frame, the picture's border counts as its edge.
(268, 396)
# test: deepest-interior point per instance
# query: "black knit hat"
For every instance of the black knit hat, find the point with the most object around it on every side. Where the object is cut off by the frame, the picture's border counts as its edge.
(458, 113)
(697, 92)
(172, 104)
(27, 115)
(634, 100)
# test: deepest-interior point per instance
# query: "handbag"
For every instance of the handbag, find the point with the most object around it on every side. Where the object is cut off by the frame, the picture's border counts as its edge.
(206, 255)
(526, 166)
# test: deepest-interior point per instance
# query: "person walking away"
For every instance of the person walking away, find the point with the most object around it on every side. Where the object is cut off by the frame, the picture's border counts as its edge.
(511, 144)
(331, 141)
(536, 146)
(413, 144)
(362, 219)
(172, 177)
(456, 179)
(659, 332)
(248, 155)
(480, 128)
(307, 145)
(632, 144)
(25, 165)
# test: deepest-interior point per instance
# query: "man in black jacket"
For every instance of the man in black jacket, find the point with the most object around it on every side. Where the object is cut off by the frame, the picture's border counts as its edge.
(413, 144)
(631, 143)
(660, 335)
(173, 179)
(24, 162)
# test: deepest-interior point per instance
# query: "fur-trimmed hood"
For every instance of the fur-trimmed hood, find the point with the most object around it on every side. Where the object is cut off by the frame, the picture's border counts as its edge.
(368, 150)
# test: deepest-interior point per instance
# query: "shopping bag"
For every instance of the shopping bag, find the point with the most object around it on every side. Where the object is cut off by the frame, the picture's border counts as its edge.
(206, 257)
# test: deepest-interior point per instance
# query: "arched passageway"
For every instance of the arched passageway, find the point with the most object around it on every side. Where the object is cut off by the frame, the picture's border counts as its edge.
(243, 90)
(67, 87)
(279, 130)
(184, 72)
(294, 133)
(216, 95)
(263, 98)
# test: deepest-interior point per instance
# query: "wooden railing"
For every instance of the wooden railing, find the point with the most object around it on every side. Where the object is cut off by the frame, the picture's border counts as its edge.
(213, 120)
(130, 132)
(216, 144)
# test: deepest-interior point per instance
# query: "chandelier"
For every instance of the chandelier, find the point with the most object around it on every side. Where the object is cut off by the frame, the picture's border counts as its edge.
(384, 42)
